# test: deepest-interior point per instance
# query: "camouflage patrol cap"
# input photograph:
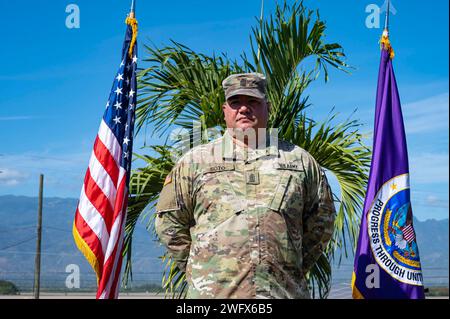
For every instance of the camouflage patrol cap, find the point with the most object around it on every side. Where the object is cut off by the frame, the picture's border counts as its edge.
(251, 84)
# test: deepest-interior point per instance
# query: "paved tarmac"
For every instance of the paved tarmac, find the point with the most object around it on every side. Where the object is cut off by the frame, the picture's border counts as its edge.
(81, 295)
(46, 295)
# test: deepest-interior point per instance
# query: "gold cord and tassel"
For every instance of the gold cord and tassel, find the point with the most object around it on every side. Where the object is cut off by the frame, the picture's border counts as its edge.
(131, 21)
(386, 44)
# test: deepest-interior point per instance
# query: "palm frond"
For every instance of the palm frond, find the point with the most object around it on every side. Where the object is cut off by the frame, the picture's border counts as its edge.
(339, 149)
(319, 278)
(144, 188)
(283, 41)
(180, 87)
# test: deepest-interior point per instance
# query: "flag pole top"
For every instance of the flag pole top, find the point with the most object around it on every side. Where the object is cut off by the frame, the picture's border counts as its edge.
(386, 21)
(133, 7)
(385, 43)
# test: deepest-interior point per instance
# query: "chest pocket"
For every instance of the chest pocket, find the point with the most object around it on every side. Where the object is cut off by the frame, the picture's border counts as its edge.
(288, 202)
(288, 196)
(215, 197)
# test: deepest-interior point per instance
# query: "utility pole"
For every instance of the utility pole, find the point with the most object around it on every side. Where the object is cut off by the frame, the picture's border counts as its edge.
(37, 265)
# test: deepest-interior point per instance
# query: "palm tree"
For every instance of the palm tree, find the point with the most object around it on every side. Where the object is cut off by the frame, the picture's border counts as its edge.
(181, 86)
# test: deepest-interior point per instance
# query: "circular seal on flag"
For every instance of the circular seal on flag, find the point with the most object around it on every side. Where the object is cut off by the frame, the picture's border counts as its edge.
(391, 232)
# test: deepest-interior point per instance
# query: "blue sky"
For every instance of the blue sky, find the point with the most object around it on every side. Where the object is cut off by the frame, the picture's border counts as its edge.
(54, 81)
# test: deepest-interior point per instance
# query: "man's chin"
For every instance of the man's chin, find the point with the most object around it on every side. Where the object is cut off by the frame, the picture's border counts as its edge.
(246, 126)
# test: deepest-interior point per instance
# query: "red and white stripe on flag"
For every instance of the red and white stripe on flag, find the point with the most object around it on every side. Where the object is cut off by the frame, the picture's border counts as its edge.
(408, 233)
(100, 217)
(101, 213)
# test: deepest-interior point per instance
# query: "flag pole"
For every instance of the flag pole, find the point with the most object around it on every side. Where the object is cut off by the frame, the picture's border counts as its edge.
(131, 20)
(386, 21)
(385, 36)
(260, 26)
(133, 7)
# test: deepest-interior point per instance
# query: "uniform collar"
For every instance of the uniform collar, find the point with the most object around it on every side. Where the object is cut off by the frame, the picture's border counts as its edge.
(235, 151)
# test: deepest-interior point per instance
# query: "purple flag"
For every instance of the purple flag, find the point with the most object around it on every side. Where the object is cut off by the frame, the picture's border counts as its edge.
(387, 263)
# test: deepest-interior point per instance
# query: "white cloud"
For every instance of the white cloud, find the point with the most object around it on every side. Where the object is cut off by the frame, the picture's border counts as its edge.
(422, 116)
(63, 173)
(11, 177)
(41, 162)
(429, 168)
(15, 118)
(428, 115)
(435, 201)
(431, 199)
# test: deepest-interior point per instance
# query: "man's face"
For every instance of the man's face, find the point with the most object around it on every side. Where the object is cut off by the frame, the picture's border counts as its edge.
(244, 112)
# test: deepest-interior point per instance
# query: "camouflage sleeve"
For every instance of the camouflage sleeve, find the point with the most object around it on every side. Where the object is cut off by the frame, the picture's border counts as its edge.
(174, 215)
(318, 222)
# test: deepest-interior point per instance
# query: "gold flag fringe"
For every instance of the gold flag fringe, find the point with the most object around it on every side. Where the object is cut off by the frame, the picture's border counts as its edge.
(86, 251)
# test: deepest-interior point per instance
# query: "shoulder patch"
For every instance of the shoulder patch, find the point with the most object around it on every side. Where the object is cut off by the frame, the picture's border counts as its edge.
(168, 179)
(167, 198)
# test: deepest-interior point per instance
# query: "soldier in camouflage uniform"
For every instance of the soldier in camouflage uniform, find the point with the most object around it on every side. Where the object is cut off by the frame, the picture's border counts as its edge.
(241, 221)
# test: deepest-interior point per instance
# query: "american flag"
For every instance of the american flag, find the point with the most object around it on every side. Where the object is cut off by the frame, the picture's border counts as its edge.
(408, 233)
(101, 213)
